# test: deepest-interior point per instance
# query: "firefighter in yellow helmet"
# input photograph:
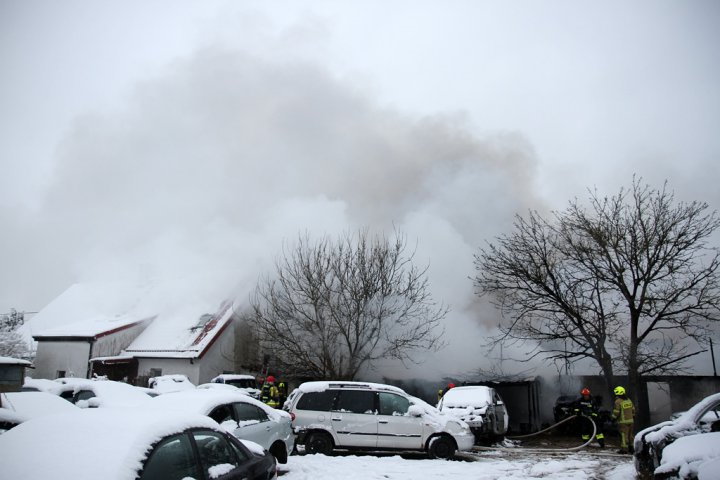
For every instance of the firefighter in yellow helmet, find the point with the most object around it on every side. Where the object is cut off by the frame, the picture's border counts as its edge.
(624, 414)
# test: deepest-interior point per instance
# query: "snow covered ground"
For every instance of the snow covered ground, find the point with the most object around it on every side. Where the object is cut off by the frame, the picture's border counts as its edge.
(477, 467)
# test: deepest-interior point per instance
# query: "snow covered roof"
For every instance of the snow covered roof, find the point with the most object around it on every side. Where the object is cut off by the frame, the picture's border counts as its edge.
(14, 361)
(113, 443)
(184, 316)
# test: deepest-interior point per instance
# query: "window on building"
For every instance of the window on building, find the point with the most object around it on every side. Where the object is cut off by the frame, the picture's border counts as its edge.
(60, 374)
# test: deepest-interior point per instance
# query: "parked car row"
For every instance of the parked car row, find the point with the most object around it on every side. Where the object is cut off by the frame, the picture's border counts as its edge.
(213, 431)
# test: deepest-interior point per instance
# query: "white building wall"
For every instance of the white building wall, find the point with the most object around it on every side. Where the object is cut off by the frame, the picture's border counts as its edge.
(170, 366)
(220, 357)
(68, 356)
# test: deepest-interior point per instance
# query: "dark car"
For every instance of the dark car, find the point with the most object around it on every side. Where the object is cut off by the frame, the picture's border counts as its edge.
(650, 443)
(129, 444)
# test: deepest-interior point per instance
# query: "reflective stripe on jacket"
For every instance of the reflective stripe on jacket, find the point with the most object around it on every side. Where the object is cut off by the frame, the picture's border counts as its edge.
(624, 411)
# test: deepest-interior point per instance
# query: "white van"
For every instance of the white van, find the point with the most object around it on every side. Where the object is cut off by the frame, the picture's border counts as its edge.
(372, 416)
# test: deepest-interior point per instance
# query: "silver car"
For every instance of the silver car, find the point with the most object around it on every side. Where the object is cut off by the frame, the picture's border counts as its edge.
(240, 415)
(358, 415)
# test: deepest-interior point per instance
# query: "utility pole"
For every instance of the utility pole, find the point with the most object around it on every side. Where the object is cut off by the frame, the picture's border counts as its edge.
(712, 355)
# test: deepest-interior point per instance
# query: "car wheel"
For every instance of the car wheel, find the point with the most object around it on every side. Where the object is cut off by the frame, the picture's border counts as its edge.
(318, 442)
(441, 447)
(279, 452)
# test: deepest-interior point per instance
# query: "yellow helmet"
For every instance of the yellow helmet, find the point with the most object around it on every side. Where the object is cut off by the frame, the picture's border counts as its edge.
(619, 390)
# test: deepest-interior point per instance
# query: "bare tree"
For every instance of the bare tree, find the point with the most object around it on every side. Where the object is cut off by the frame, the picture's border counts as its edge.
(624, 282)
(335, 307)
(12, 344)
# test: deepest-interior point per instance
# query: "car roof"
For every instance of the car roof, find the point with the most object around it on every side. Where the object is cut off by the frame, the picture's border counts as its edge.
(110, 393)
(341, 384)
(35, 404)
(204, 400)
(235, 376)
(90, 444)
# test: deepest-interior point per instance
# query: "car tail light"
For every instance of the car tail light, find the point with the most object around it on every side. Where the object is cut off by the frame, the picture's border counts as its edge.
(292, 417)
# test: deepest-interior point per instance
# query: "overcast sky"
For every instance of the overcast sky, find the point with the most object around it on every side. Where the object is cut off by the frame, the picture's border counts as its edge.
(144, 138)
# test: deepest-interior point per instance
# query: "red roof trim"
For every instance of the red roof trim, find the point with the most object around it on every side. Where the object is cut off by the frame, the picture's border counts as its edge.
(215, 337)
(119, 329)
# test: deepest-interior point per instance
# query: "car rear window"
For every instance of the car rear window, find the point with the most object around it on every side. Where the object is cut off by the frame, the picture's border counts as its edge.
(321, 401)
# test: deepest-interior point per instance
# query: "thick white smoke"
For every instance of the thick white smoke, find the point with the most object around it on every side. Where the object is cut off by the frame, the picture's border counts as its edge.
(216, 162)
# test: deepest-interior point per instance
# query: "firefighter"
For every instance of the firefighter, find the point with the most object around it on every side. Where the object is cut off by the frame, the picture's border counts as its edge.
(269, 393)
(442, 392)
(282, 393)
(585, 406)
(624, 414)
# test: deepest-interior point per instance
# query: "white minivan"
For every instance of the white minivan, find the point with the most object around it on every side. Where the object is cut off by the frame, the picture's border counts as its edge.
(372, 416)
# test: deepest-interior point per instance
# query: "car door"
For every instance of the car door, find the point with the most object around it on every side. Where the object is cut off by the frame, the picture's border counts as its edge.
(501, 415)
(397, 429)
(253, 424)
(218, 457)
(354, 418)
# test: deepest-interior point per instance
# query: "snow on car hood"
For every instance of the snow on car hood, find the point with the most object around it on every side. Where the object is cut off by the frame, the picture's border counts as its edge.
(462, 397)
(687, 454)
(89, 444)
(438, 420)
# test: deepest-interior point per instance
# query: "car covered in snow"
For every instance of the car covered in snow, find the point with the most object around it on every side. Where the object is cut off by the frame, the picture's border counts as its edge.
(170, 383)
(652, 443)
(40, 385)
(245, 383)
(87, 393)
(129, 444)
(242, 416)
(372, 416)
(687, 455)
(480, 407)
(18, 407)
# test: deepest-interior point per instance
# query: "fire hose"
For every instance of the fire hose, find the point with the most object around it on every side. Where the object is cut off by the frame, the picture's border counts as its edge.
(545, 450)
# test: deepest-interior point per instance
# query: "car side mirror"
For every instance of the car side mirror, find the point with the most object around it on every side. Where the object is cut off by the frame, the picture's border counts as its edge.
(415, 411)
(230, 426)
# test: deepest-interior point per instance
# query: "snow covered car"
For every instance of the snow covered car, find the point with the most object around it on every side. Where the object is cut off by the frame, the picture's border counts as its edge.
(244, 417)
(372, 416)
(129, 444)
(687, 455)
(245, 383)
(40, 385)
(170, 383)
(101, 393)
(480, 407)
(650, 443)
(18, 407)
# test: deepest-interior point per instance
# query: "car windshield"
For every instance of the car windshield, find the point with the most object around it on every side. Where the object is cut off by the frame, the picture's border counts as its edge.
(242, 382)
